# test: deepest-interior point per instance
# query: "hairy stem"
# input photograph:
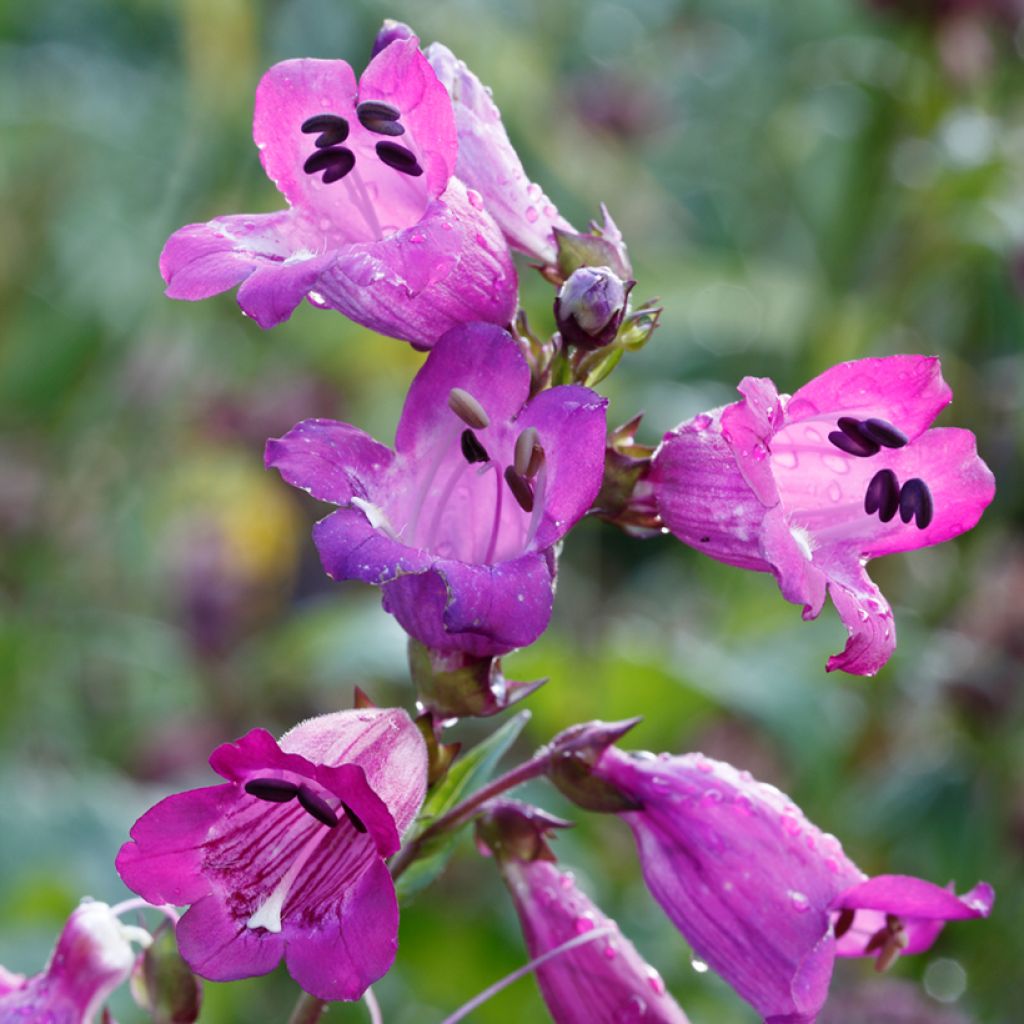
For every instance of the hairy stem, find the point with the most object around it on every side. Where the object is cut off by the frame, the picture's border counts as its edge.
(308, 1010)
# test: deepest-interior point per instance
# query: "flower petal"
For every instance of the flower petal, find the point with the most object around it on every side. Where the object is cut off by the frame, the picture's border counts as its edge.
(488, 163)
(271, 293)
(865, 613)
(329, 460)
(450, 268)
(353, 945)
(352, 549)
(217, 948)
(288, 95)
(906, 390)
(400, 75)
(570, 424)
(480, 609)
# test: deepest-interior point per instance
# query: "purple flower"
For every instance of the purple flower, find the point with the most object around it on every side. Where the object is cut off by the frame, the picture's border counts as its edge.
(287, 857)
(456, 525)
(810, 487)
(601, 982)
(93, 956)
(761, 894)
(377, 226)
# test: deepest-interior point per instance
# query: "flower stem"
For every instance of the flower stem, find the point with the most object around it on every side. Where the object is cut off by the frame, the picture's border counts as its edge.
(461, 813)
(308, 1010)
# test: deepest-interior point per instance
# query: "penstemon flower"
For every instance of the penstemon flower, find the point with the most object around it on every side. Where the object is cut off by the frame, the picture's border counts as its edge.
(811, 486)
(287, 857)
(601, 982)
(457, 523)
(377, 226)
(761, 894)
(92, 958)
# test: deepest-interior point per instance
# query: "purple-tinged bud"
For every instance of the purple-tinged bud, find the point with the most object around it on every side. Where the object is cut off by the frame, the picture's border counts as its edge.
(590, 307)
(626, 465)
(453, 684)
(93, 956)
(575, 752)
(391, 32)
(603, 981)
(439, 755)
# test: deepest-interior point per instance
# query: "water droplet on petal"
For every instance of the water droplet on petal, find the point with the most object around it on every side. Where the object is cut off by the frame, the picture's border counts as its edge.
(533, 191)
(584, 923)
(834, 492)
(550, 211)
(654, 980)
(699, 966)
(609, 952)
(744, 804)
(634, 1010)
(416, 239)
(567, 880)
(711, 798)
(791, 825)
(704, 765)
(475, 199)
(799, 902)
(785, 460)
(531, 214)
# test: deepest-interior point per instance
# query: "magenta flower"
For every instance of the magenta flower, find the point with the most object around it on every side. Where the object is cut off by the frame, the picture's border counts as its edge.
(456, 525)
(92, 958)
(601, 982)
(810, 487)
(287, 857)
(377, 226)
(761, 894)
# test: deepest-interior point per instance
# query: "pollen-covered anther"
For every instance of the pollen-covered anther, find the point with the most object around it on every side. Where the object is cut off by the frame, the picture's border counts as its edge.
(843, 922)
(883, 495)
(529, 455)
(400, 158)
(354, 820)
(890, 941)
(380, 117)
(275, 791)
(315, 805)
(472, 449)
(468, 409)
(916, 503)
(853, 439)
(332, 128)
(335, 163)
(520, 488)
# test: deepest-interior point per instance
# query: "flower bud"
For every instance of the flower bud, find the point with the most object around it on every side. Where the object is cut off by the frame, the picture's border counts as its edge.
(590, 307)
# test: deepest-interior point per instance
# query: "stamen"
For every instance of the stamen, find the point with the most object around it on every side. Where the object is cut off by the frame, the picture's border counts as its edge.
(354, 819)
(317, 806)
(851, 439)
(520, 488)
(334, 129)
(916, 503)
(400, 158)
(472, 449)
(537, 460)
(468, 409)
(891, 940)
(843, 922)
(526, 444)
(335, 163)
(275, 791)
(883, 495)
(382, 118)
(884, 433)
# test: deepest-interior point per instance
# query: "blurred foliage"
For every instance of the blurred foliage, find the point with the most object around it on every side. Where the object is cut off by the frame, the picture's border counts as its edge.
(800, 183)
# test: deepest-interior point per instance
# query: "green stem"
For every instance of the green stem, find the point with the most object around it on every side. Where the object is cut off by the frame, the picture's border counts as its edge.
(308, 1010)
(461, 813)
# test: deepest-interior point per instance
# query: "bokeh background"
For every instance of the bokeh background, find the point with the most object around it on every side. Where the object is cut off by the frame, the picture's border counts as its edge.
(799, 182)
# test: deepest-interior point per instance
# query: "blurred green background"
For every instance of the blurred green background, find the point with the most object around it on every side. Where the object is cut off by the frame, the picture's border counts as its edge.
(799, 182)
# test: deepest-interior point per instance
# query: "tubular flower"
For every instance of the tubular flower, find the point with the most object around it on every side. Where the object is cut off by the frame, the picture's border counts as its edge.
(456, 525)
(761, 894)
(811, 486)
(286, 858)
(92, 958)
(487, 162)
(377, 226)
(601, 982)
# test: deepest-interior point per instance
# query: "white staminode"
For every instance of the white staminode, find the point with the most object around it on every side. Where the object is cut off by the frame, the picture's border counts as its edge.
(375, 516)
(268, 913)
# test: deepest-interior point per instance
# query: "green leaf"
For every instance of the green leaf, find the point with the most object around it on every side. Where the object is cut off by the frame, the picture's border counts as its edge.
(604, 366)
(468, 774)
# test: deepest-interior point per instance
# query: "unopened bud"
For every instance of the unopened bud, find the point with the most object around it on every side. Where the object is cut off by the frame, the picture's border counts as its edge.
(590, 307)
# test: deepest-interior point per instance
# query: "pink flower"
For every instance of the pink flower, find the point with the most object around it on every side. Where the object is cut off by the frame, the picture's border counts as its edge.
(601, 982)
(812, 486)
(92, 958)
(761, 894)
(377, 226)
(287, 858)
(457, 524)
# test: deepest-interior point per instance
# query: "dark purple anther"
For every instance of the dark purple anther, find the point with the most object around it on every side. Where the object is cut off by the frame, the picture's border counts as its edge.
(472, 449)
(332, 129)
(335, 163)
(843, 922)
(849, 439)
(916, 503)
(400, 158)
(883, 495)
(884, 433)
(317, 806)
(382, 118)
(276, 791)
(520, 488)
(354, 819)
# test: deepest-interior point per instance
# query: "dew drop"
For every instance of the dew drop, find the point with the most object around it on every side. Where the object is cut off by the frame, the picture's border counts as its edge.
(704, 765)
(550, 211)
(799, 902)
(711, 798)
(785, 460)
(532, 215)
(634, 1010)
(609, 952)
(834, 492)
(567, 880)
(836, 464)
(790, 825)
(654, 980)
(832, 864)
(533, 191)
(699, 966)
(475, 199)
(416, 239)
(744, 804)
(584, 923)
(480, 240)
